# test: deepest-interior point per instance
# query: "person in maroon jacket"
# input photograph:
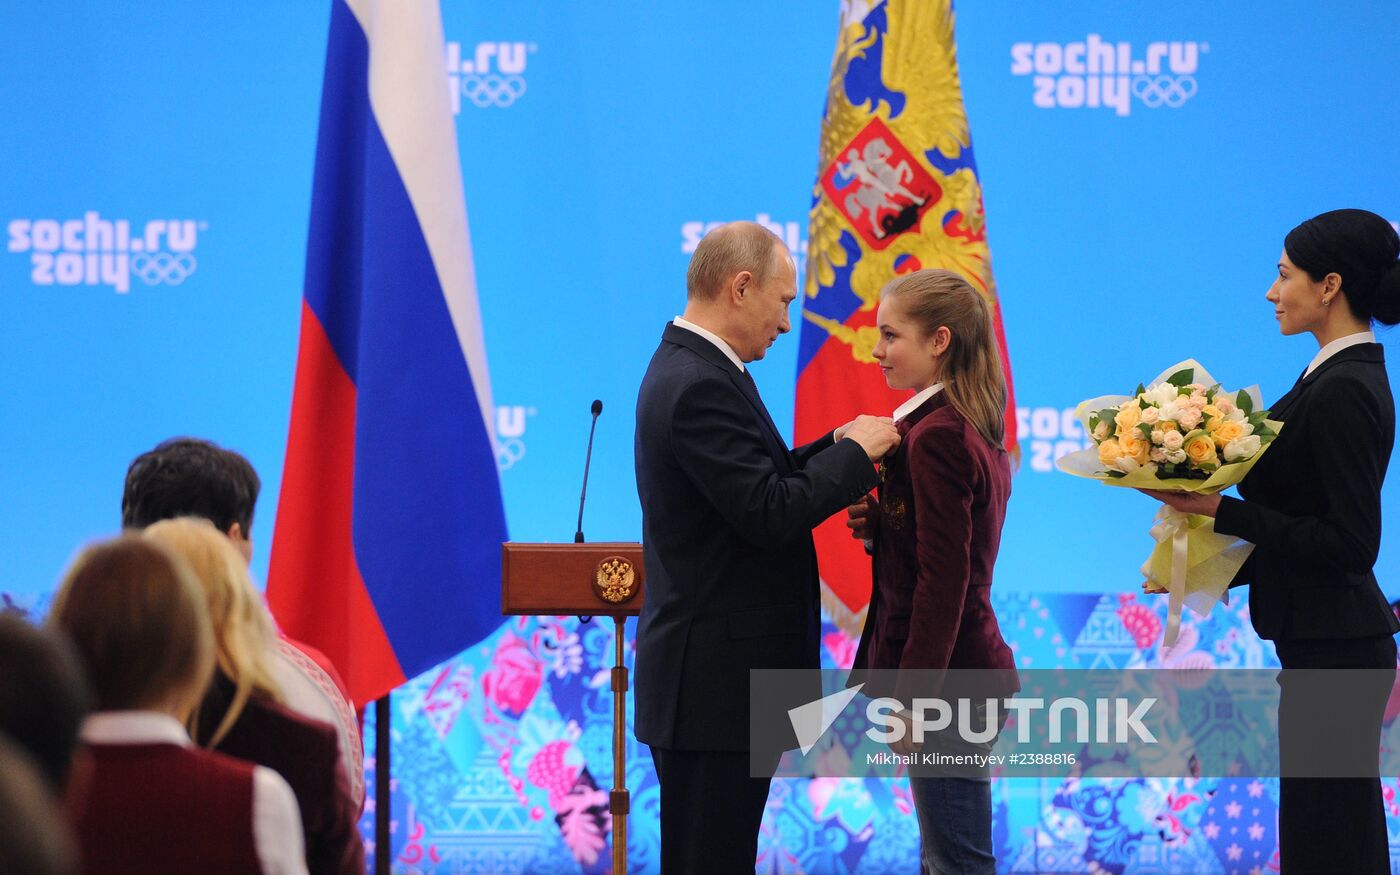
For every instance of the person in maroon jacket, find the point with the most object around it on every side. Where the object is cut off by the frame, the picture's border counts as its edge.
(147, 801)
(935, 530)
(242, 713)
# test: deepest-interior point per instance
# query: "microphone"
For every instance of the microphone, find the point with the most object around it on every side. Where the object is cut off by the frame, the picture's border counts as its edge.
(587, 460)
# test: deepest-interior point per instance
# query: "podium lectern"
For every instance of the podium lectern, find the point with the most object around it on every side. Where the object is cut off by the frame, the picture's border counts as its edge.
(591, 580)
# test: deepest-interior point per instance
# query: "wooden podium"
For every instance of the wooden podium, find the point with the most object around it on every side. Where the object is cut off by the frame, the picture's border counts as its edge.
(589, 580)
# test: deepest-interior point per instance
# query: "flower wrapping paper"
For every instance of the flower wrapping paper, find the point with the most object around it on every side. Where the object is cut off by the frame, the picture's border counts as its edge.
(1190, 561)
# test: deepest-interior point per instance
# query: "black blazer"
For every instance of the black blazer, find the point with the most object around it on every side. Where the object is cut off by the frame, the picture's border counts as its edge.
(727, 518)
(1312, 505)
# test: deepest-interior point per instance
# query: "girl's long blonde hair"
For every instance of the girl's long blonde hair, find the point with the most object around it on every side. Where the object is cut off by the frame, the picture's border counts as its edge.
(970, 368)
(243, 632)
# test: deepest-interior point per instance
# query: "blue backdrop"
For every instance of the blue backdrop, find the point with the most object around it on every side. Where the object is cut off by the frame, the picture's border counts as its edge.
(598, 142)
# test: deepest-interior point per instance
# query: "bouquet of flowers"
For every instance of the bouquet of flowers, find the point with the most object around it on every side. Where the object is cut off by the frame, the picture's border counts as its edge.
(1182, 432)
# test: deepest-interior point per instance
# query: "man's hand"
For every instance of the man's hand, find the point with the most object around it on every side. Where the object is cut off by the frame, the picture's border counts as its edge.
(843, 430)
(875, 434)
(862, 518)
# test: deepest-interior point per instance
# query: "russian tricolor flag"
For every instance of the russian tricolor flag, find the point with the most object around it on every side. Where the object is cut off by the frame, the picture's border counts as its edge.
(386, 553)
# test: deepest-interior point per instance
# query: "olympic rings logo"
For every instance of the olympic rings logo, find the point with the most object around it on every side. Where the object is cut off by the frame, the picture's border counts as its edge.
(162, 267)
(493, 90)
(1155, 91)
(508, 452)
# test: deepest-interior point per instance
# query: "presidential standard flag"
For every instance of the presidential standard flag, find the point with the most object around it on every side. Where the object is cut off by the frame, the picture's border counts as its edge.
(386, 553)
(896, 191)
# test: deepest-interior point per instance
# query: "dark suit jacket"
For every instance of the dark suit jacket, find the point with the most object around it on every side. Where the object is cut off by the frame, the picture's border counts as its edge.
(306, 753)
(727, 516)
(942, 505)
(1312, 505)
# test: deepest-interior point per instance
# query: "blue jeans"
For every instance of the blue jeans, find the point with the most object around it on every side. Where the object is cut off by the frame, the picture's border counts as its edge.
(955, 825)
(955, 813)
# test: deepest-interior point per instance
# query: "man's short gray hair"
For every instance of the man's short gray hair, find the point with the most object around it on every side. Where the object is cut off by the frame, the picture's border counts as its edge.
(726, 251)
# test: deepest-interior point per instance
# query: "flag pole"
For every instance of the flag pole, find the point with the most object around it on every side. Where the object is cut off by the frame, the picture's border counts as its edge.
(383, 802)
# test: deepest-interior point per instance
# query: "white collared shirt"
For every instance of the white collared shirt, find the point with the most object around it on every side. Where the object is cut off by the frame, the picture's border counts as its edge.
(1337, 346)
(276, 818)
(712, 338)
(916, 402)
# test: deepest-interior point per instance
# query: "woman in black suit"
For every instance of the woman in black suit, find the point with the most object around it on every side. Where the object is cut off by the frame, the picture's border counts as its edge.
(1312, 508)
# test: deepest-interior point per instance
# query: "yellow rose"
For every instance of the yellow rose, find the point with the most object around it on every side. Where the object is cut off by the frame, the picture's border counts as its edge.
(1227, 431)
(1128, 417)
(1211, 411)
(1169, 425)
(1135, 448)
(1110, 451)
(1201, 451)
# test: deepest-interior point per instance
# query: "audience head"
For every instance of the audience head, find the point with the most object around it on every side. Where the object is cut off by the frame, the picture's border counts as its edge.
(954, 322)
(191, 477)
(741, 280)
(34, 837)
(43, 695)
(139, 624)
(1351, 253)
(243, 632)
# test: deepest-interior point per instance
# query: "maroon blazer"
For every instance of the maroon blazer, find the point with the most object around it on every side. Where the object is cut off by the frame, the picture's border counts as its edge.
(942, 503)
(306, 753)
(163, 809)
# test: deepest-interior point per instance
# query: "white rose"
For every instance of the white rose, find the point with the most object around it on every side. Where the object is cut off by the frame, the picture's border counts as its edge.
(1101, 432)
(1176, 457)
(1162, 393)
(1157, 454)
(1157, 436)
(1173, 440)
(1223, 404)
(1242, 448)
(1126, 464)
(1151, 415)
(1234, 415)
(1170, 411)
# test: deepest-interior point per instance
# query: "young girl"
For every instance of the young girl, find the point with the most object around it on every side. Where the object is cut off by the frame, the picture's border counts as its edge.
(936, 528)
(150, 802)
(242, 713)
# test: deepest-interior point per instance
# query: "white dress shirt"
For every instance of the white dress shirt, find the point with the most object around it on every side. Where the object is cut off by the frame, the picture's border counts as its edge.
(1337, 346)
(276, 818)
(916, 402)
(712, 338)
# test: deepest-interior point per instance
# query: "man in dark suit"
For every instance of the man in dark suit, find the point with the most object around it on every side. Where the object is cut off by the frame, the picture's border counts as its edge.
(727, 514)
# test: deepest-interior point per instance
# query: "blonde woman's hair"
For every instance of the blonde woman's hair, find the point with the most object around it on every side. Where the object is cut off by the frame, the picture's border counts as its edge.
(139, 623)
(970, 368)
(243, 632)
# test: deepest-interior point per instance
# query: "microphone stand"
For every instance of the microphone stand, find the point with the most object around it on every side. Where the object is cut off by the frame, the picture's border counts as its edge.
(619, 799)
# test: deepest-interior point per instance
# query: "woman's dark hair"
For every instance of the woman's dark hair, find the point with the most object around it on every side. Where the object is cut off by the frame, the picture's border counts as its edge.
(1361, 248)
